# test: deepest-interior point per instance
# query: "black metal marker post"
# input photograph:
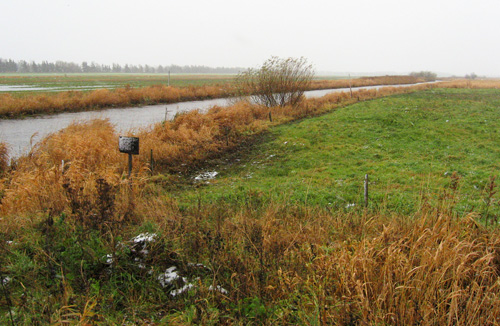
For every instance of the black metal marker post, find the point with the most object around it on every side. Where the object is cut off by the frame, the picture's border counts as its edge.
(129, 145)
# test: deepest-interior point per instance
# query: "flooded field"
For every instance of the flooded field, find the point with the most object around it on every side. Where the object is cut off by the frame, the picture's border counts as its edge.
(33, 88)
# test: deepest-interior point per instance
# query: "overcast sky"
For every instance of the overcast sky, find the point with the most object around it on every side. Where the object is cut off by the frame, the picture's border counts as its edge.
(445, 36)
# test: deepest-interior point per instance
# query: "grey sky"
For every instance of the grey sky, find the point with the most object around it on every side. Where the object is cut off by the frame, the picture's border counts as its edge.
(449, 36)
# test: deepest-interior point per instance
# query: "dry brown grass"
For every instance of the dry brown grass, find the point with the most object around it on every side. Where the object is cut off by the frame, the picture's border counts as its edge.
(433, 270)
(11, 106)
(89, 149)
(36, 185)
(344, 269)
(476, 84)
(4, 158)
(365, 81)
(39, 182)
(316, 266)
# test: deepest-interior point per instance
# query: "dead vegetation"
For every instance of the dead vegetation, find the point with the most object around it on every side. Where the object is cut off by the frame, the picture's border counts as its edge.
(71, 101)
(340, 269)
(89, 149)
(279, 263)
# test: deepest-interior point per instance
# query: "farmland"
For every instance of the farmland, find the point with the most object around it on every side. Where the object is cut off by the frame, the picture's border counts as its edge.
(280, 235)
(111, 81)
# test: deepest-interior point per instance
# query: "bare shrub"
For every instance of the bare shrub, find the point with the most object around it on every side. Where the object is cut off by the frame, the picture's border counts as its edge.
(279, 82)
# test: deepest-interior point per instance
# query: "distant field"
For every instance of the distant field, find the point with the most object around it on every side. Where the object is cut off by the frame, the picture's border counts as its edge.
(25, 84)
(63, 82)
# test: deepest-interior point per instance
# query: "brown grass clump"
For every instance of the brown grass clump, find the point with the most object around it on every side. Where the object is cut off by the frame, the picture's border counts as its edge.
(63, 173)
(475, 84)
(317, 267)
(192, 137)
(4, 158)
(365, 81)
(429, 271)
(11, 106)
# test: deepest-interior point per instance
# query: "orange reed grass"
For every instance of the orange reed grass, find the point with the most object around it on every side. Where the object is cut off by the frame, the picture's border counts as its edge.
(365, 81)
(12, 106)
(4, 157)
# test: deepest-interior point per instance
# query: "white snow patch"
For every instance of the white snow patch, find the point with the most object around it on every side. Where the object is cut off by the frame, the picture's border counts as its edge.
(197, 265)
(181, 290)
(168, 277)
(144, 237)
(218, 288)
(6, 280)
(206, 176)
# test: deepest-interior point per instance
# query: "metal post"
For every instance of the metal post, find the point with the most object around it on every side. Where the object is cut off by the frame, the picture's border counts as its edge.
(152, 162)
(350, 84)
(129, 165)
(366, 190)
(130, 146)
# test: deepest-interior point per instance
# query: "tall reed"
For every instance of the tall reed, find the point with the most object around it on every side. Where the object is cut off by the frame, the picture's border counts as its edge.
(4, 158)
(15, 106)
(311, 266)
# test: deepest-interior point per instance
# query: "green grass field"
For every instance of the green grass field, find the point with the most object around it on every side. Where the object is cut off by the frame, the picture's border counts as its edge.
(409, 145)
(65, 82)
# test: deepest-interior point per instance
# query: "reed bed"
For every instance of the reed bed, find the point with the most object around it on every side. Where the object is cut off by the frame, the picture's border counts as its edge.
(474, 84)
(365, 81)
(12, 106)
(71, 101)
(4, 158)
(310, 266)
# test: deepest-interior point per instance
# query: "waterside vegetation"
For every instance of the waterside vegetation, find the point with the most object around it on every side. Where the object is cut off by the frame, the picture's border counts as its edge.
(19, 104)
(275, 238)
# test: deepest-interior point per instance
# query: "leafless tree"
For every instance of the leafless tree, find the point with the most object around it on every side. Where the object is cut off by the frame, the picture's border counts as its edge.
(278, 82)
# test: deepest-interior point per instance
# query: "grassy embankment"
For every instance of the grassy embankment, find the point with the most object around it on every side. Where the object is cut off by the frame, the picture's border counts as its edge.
(275, 230)
(148, 90)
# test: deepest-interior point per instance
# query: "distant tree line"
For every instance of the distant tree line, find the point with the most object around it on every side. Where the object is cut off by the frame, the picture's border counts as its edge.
(427, 75)
(471, 76)
(11, 66)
